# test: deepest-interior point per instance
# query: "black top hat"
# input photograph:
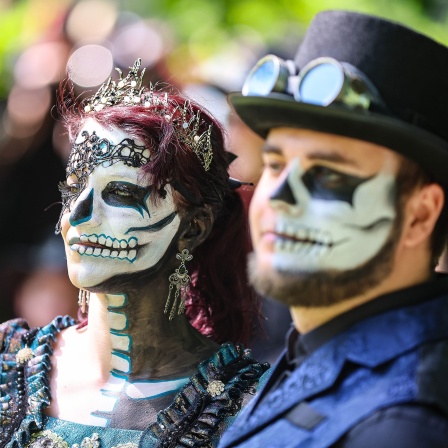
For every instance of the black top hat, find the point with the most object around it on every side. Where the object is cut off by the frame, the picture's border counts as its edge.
(409, 70)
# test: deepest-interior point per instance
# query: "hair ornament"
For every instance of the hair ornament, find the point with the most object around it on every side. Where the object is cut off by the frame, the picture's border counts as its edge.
(128, 91)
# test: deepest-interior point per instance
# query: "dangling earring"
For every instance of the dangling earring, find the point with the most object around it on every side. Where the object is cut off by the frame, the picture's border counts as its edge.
(180, 279)
(83, 299)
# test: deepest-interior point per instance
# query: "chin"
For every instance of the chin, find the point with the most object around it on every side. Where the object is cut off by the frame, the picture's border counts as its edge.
(87, 275)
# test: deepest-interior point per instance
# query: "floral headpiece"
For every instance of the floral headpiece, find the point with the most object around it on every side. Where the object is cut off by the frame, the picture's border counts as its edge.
(128, 91)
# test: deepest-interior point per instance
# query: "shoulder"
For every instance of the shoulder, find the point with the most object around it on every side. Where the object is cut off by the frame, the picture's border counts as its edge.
(211, 399)
(233, 362)
(404, 426)
(11, 332)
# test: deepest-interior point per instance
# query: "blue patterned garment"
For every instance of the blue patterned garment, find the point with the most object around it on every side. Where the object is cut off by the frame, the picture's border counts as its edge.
(198, 415)
(390, 354)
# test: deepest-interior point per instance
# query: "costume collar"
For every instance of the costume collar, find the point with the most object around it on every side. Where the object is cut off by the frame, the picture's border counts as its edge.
(300, 345)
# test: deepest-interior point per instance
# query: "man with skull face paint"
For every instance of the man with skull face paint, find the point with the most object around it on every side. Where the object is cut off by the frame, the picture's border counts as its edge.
(148, 217)
(348, 222)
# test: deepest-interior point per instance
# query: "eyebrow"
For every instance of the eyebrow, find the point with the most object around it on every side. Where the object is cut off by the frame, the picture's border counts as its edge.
(323, 155)
(331, 157)
(266, 147)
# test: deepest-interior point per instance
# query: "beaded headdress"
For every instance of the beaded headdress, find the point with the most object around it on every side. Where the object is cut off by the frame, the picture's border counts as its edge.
(128, 91)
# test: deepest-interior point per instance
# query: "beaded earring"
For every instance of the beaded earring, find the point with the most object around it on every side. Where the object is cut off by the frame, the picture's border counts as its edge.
(180, 279)
(83, 299)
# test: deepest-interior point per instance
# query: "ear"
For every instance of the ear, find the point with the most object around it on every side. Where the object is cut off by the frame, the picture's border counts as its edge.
(199, 225)
(422, 211)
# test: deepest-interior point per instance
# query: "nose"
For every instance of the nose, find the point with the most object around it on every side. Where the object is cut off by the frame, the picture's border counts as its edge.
(82, 211)
(284, 193)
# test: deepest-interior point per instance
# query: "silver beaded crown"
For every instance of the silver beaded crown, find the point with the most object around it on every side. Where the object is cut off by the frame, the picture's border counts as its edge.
(128, 91)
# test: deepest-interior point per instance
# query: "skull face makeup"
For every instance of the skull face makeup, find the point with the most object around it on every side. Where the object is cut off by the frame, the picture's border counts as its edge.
(110, 227)
(323, 217)
(330, 220)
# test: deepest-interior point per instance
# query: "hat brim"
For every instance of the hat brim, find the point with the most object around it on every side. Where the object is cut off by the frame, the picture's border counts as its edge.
(262, 113)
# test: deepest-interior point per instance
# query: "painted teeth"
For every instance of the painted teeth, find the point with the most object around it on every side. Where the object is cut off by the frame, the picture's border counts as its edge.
(305, 241)
(278, 245)
(304, 234)
(326, 239)
(114, 248)
(281, 227)
(301, 234)
(302, 248)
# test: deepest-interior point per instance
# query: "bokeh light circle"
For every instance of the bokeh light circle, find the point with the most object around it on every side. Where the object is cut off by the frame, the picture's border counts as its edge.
(90, 65)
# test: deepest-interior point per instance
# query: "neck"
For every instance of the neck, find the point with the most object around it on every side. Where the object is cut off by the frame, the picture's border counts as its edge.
(134, 336)
(404, 275)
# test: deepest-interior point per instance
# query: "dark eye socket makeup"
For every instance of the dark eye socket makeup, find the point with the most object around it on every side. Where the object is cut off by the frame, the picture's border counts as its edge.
(323, 182)
(126, 194)
(123, 189)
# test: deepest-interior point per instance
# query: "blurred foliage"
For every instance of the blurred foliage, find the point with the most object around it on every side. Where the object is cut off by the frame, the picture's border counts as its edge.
(204, 27)
(270, 19)
(21, 24)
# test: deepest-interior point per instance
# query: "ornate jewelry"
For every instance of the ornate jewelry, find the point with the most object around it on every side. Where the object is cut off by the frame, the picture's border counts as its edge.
(215, 388)
(24, 355)
(86, 155)
(89, 442)
(83, 299)
(47, 438)
(128, 91)
(180, 279)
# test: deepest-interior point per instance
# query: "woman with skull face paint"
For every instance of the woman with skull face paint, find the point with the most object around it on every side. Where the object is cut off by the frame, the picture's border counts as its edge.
(155, 240)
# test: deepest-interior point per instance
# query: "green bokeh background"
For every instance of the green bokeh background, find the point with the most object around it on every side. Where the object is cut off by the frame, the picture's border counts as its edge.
(207, 26)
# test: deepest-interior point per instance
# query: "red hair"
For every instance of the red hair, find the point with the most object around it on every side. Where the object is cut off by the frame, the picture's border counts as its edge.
(219, 303)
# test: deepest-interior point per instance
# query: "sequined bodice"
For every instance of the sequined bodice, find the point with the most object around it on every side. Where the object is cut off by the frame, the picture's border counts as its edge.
(63, 434)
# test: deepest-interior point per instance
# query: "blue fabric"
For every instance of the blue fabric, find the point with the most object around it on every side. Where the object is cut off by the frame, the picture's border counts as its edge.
(388, 359)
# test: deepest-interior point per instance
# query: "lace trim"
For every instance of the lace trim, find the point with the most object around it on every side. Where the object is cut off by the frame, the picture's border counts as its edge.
(198, 412)
(49, 439)
(16, 429)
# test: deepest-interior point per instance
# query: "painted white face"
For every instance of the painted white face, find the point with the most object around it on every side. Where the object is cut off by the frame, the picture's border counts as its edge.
(113, 227)
(323, 203)
(328, 227)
